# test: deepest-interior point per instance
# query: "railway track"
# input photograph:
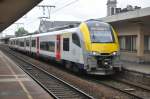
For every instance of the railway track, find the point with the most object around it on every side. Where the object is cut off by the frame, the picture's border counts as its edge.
(132, 90)
(56, 87)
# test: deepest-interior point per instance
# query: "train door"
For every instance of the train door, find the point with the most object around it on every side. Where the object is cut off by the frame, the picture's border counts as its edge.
(58, 47)
(76, 50)
(66, 47)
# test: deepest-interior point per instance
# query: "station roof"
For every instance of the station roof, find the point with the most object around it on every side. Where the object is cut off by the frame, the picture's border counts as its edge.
(12, 10)
(141, 16)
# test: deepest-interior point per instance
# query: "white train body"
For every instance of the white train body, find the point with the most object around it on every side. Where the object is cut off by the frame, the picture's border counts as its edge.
(67, 46)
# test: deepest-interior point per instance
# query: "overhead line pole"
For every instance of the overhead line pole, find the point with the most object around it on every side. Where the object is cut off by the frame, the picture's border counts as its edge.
(47, 6)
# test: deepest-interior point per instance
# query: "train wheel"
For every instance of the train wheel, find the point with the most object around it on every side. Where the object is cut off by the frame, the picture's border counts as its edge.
(75, 68)
(68, 65)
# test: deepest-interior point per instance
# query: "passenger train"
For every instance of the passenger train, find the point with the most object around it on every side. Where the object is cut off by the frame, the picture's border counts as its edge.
(92, 47)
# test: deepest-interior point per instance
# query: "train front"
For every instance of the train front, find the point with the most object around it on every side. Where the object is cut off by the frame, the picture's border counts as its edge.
(101, 48)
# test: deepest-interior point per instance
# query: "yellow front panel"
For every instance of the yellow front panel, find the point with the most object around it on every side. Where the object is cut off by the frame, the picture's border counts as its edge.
(104, 48)
(98, 47)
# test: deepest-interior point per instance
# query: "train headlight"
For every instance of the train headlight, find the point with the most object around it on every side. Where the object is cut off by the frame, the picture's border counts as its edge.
(105, 63)
(95, 53)
(115, 53)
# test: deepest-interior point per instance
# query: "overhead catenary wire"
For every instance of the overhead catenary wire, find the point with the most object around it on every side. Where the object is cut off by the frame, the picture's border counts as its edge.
(68, 4)
(59, 2)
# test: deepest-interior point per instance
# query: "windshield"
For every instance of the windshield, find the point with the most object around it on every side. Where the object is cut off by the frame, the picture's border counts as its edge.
(101, 32)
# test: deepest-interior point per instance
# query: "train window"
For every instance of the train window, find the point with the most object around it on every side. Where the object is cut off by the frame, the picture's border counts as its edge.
(27, 42)
(33, 43)
(21, 43)
(16, 42)
(43, 46)
(47, 46)
(51, 46)
(75, 39)
(11, 42)
(66, 44)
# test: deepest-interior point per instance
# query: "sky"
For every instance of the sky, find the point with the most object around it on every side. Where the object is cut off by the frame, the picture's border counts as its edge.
(69, 10)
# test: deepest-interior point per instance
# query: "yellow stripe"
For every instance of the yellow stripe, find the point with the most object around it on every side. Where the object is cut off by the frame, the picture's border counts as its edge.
(86, 36)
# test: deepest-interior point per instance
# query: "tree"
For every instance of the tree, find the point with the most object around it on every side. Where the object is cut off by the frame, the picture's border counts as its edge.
(20, 32)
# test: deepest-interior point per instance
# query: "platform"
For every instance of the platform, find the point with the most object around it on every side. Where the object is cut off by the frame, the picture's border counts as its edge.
(137, 67)
(16, 84)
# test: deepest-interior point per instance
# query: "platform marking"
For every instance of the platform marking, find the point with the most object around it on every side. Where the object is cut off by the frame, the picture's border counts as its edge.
(20, 82)
(13, 79)
(12, 75)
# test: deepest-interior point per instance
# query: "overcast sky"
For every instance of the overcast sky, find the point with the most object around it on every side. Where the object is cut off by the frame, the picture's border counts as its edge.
(70, 10)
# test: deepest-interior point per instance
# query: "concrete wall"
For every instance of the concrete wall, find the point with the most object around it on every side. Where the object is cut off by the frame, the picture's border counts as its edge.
(127, 29)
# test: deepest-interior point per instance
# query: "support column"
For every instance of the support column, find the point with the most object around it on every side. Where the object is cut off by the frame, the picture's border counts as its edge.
(140, 45)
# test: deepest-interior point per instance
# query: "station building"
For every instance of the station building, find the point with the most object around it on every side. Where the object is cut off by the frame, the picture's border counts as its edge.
(133, 28)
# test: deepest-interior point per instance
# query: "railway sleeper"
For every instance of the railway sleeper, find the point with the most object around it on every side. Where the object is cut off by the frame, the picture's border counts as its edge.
(66, 94)
(67, 90)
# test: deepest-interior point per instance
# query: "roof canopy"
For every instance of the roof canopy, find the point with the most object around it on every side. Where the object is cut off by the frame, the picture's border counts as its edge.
(12, 10)
(141, 16)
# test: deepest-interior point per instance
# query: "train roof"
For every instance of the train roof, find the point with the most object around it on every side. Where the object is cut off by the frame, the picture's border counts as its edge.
(56, 32)
(20, 37)
(48, 33)
(68, 30)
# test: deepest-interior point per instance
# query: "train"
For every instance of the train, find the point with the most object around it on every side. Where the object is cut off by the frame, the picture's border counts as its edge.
(91, 47)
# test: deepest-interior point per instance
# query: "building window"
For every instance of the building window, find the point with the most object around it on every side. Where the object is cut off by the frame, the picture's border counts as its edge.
(66, 44)
(147, 43)
(112, 11)
(128, 43)
(75, 39)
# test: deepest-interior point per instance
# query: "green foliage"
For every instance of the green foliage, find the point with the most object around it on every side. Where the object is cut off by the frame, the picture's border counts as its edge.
(20, 32)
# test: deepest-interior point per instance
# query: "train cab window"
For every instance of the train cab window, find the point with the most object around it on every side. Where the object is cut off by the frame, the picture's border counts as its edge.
(75, 39)
(33, 43)
(66, 44)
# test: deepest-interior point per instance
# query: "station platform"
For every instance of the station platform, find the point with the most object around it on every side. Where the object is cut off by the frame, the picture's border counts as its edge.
(16, 84)
(137, 67)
